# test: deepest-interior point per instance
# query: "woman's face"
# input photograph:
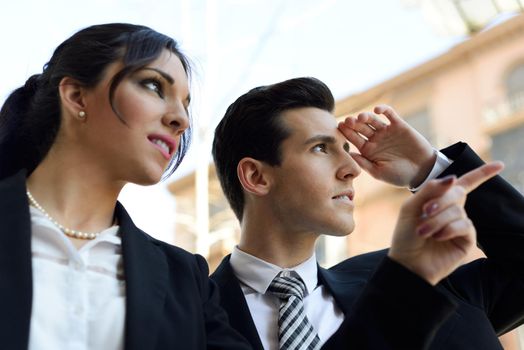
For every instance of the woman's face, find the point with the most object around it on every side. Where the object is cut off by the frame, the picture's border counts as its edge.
(153, 103)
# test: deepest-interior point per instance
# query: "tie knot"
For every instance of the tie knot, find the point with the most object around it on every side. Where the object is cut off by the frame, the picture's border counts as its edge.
(284, 287)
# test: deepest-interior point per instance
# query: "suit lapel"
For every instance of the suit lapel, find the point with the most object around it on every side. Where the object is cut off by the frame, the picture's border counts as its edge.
(345, 283)
(346, 280)
(345, 292)
(233, 301)
(341, 286)
(15, 262)
(146, 272)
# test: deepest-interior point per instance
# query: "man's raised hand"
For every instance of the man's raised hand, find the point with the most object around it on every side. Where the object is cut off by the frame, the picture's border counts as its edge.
(391, 150)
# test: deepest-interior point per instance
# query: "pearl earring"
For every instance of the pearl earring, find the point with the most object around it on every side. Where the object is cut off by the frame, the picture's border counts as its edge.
(81, 114)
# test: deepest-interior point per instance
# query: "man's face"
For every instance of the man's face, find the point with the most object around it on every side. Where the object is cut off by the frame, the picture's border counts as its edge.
(312, 189)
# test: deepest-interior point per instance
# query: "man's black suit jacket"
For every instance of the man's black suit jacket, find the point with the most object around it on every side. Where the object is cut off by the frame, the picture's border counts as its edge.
(488, 294)
(170, 301)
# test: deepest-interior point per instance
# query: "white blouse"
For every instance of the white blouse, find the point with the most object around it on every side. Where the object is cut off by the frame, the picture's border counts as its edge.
(78, 294)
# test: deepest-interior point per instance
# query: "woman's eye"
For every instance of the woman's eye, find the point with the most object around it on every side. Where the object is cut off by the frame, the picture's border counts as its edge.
(154, 86)
(320, 148)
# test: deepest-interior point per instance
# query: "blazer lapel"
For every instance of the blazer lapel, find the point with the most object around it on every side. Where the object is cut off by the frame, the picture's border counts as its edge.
(15, 263)
(146, 272)
(343, 289)
(233, 301)
(345, 283)
(346, 280)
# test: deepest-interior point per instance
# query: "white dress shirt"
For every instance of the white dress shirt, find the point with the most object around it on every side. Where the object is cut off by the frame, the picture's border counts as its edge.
(255, 276)
(78, 294)
(441, 163)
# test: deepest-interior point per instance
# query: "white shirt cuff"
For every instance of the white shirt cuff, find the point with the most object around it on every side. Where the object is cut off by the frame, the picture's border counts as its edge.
(441, 163)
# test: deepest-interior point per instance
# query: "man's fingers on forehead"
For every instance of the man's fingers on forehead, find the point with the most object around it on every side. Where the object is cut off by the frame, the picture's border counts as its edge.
(353, 137)
(348, 120)
(478, 176)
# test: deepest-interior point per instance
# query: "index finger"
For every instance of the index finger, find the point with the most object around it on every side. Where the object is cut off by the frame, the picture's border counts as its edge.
(478, 176)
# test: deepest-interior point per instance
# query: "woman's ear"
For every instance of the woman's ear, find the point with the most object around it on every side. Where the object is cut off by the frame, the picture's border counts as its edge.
(72, 97)
(253, 177)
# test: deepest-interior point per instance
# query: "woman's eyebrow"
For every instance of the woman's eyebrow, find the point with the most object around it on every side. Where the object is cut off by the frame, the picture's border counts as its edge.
(164, 75)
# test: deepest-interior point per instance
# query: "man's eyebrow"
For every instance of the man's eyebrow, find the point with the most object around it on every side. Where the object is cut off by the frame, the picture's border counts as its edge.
(164, 75)
(320, 138)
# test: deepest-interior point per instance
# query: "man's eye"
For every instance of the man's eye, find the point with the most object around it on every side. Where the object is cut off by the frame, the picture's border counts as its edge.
(320, 148)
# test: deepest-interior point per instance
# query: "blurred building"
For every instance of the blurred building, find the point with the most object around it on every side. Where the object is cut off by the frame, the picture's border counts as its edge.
(472, 93)
(223, 226)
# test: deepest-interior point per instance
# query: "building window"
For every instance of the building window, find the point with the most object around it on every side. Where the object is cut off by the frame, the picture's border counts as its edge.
(515, 88)
(421, 121)
(512, 103)
(508, 146)
(515, 80)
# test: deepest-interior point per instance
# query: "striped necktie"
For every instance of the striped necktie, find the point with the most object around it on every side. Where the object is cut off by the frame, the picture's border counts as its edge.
(295, 331)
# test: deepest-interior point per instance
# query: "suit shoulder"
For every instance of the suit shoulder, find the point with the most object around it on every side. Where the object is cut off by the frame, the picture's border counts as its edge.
(367, 261)
(169, 248)
(222, 271)
(176, 254)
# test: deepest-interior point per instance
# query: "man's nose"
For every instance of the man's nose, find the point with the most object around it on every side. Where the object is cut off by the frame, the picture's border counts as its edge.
(349, 168)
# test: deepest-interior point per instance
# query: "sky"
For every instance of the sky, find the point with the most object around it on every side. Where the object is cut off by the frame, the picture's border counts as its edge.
(234, 45)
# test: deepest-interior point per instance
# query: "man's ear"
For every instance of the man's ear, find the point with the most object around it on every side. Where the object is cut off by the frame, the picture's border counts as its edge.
(252, 176)
(72, 97)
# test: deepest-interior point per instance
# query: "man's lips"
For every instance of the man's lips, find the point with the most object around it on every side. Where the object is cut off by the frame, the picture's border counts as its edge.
(165, 144)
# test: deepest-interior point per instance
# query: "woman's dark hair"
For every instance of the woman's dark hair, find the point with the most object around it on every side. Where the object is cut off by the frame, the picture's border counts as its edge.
(30, 117)
(252, 127)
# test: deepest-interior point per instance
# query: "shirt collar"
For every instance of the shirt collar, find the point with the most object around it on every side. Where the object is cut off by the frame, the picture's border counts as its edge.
(258, 274)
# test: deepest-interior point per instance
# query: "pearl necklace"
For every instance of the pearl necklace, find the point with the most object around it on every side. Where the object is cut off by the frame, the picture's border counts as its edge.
(69, 232)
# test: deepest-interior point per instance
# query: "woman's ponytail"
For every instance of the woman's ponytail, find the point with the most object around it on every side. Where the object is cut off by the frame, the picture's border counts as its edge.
(14, 117)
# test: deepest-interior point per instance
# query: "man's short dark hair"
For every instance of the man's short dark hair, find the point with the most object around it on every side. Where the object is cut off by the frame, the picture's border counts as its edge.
(252, 128)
